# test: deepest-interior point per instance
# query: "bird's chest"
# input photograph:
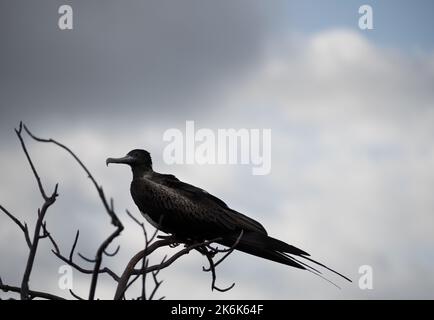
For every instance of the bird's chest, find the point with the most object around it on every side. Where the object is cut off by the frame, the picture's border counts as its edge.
(157, 203)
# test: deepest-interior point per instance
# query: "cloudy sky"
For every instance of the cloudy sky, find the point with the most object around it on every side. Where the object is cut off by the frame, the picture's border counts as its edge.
(351, 114)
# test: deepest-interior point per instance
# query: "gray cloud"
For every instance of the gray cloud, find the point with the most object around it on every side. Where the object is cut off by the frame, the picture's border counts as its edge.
(134, 58)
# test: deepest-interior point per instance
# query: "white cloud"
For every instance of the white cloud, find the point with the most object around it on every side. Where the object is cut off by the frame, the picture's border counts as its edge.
(353, 150)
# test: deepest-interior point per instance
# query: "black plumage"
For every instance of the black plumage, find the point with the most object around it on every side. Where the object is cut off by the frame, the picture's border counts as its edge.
(191, 213)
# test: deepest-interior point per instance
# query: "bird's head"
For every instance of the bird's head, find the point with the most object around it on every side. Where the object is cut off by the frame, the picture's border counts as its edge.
(135, 159)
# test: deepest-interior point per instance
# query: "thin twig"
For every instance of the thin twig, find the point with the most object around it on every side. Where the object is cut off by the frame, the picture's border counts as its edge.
(84, 270)
(48, 234)
(35, 173)
(113, 253)
(157, 284)
(70, 261)
(22, 226)
(213, 285)
(145, 261)
(32, 293)
(86, 259)
(76, 296)
(74, 244)
(228, 252)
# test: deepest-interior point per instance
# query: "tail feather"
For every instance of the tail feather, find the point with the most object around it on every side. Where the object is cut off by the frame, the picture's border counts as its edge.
(266, 247)
(263, 241)
(330, 269)
(270, 255)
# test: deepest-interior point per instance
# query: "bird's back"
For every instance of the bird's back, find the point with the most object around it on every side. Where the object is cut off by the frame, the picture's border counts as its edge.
(180, 208)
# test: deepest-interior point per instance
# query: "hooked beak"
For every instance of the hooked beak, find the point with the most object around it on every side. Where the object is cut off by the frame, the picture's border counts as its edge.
(124, 160)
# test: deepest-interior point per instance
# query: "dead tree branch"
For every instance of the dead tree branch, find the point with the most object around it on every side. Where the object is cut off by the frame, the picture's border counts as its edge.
(108, 205)
(123, 281)
(48, 201)
(32, 294)
(22, 226)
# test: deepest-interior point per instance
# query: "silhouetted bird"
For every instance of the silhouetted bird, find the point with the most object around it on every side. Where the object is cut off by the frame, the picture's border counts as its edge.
(191, 213)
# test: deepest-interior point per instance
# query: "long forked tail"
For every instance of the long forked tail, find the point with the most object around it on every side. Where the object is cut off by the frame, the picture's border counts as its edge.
(264, 246)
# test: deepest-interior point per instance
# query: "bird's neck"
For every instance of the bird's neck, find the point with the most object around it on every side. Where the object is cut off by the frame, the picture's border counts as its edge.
(141, 171)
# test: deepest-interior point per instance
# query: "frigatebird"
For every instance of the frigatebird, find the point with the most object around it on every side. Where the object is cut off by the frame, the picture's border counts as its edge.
(192, 214)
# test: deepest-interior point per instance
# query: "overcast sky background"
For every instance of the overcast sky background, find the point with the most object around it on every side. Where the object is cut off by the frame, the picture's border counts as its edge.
(351, 114)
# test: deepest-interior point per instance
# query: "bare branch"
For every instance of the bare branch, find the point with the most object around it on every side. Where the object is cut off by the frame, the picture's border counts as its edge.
(173, 258)
(98, 259)
(157, 284)
(76, 296)
(114, 252)
(142, 226)
(129, 270)
(48, 201)
(108, 205)
(209, 255)
(145, 263)
(31, 293)
(74, 244)
(22, 226)
(143, 295)
(123, 283)
(35, 173)
(81, 164)
(70, 261)
(210, 252)
(228, 252)
(84, 270)
(48, 234)
(86, 259)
